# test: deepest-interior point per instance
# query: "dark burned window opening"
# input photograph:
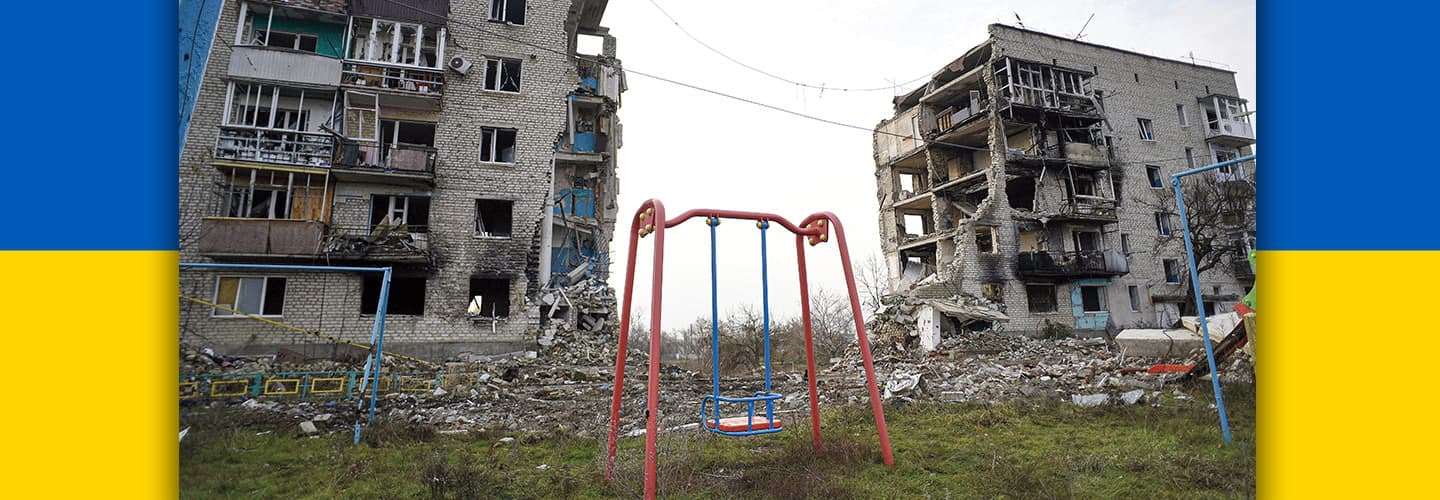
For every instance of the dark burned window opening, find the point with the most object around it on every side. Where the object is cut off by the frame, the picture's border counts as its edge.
(497, 145)
(502, 74)
(1041, 298)
(507, 11)
(1092, 298)
(407, 295)
(985, 240)
(493, 217)
(1134, 298)
(489, 297)
(412, 213)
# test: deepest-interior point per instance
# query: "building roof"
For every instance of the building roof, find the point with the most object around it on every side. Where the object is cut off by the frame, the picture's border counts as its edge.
(1107, 47)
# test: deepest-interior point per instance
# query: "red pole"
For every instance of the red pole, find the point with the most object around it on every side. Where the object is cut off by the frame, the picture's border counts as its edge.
(864, 342)
(620, 356)
(657, 225)
(809, 341)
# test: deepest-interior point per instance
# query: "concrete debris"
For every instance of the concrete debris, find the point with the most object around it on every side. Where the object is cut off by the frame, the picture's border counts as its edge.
(1089, 400)
(1132, 397)
(308, 427)
(901, 383)
(183, 432)
(542, 467)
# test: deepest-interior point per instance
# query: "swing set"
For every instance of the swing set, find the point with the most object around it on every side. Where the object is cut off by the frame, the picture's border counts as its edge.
(759, 416)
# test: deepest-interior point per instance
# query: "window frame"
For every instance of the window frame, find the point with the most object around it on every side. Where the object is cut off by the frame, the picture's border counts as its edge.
(479, 220)
(1147, 129)
(264, 293)
(494, 140)
(1165, 264)
(501, 73)
(1157, 181)
(509, 287)
(1134, 292)
(505, 11)
(1030, 304)
(1101, 299)
(1184, 118)
(1163, 225)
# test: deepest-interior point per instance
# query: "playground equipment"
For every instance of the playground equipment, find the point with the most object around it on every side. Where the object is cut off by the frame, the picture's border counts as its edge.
(814, 229)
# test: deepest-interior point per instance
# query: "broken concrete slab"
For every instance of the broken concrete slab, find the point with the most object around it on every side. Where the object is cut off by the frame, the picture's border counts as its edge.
(1132, 397)
(1156, 343)
(1219, 325)
(1089, 400)
(308, 427)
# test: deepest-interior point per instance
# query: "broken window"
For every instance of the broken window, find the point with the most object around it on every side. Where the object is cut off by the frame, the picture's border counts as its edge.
(1087, 241)
(489, 297)
(915, 225)
(994, 292)
(502, 74)
(1162, 223)
(1115, 184)
(1041, 298)
(1147, 131)
(362, 116)
(1084, 186)
(507, 11)
(492, 217)
(407, 295)
(1033, 241)
(497, 145)
(1125, 243)
(396, 42)
(985, 240)
(271, 194)
(388, 212)
(1092, 298)
(261, 296)
(298, 41)
(1172, 270)
(1180, 113)
(1223, 154)
(1190, 157)
(1134, 298)
(1021, 192)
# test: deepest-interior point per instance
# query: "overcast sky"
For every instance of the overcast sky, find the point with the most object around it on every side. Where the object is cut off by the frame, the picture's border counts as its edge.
(696, 150)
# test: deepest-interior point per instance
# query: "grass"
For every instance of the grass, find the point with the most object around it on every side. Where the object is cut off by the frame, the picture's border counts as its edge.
(1023, 449)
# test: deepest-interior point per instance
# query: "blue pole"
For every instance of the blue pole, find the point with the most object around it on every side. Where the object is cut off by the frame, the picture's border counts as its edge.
(377, 338)
(1195, 286)
(765, 299)
(714, 322)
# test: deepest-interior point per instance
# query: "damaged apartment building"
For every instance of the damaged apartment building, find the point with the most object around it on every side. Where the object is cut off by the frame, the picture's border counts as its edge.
(1028, 183)
(468, 144)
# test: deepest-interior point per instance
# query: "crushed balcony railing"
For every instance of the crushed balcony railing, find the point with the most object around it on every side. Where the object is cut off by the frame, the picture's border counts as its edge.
(403, 243)
(418, 81)
(400, 158)
(1072, 264)
(274, 146)
(1091, 207)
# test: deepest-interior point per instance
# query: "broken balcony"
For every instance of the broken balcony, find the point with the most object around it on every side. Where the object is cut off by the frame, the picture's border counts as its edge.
(403, 244)
(405, 56)
(284, 65)
(1030, 90)
(1227, 121)
(406, 80)
(222, 237)
(286, 147)
(388, 164)
(1069, 265)
(588, 135)
(598, 79)
(955, 106)
(1094, 208)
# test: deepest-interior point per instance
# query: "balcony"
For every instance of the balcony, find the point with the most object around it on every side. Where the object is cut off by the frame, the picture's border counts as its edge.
(283, 65)
(598, 79)
(575, 202)
(1227, 121)
(285, 147)
(1234, 133)
(1085, 264)
(232, 237)
(423, 82)
(400, 164)
(1091, 208)
(405, 244)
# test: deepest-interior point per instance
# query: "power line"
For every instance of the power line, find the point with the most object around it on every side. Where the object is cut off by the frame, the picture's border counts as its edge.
(821, 87)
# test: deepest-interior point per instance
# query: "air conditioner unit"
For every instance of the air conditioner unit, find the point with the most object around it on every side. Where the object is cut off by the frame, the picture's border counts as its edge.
(460, 64)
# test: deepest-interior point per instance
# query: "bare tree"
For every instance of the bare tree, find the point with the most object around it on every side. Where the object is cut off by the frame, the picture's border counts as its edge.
(873, 281)
(1220, 210)
(832, 323)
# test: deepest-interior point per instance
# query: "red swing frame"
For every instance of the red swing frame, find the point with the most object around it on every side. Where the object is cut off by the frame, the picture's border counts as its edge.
(650, 219)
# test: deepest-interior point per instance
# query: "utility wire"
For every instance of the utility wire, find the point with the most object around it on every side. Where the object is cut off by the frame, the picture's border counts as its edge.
(821, 87)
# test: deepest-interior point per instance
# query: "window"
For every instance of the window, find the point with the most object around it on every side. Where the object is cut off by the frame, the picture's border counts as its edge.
(407, 295)
(1162, 223)
(985, 240)
(1172, 270)
(393, 211)
(257, 203)
(1040, 297)
(1190, 157)
(492, 217)
(298, 41)
(1086, 241)
(362, 115)
(1125, 243)
(497, 145)
(261, 296)
(489, 297)
(502, 75)
(1153, 173)
(1092, 298)
(1228, 172)
(507, 11)
(1116, 183)
(1134, 298)
(271, 194)
(1180, 112)
(397, 43)
(1147, 132)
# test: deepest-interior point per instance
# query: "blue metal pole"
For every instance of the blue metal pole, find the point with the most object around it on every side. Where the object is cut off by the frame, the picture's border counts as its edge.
(215, 265)
(765, 300)
(714, 322)
(1195, 286)
(377, 338)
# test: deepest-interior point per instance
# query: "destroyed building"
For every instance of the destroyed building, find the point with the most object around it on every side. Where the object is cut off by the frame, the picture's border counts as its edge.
(1031, 176)
(469, 144)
